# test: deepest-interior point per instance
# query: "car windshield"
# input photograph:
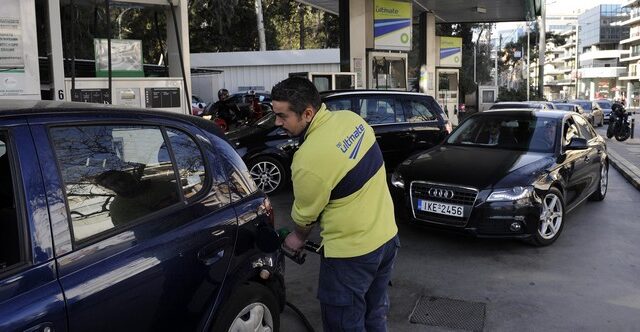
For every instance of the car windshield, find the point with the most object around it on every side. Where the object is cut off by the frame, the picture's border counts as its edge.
(499, 106)
(564, 107)
(604, 104)
(267, 121)
(586, 105)
(524, 133)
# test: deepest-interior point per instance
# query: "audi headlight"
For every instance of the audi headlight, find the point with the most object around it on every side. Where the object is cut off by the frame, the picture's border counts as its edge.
(511, 194)
(397, 180)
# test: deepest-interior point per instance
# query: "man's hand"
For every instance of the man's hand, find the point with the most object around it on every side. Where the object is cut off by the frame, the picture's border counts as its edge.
(294, 241)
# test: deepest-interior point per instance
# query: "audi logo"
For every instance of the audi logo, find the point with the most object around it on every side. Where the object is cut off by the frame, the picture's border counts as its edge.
(440, 193)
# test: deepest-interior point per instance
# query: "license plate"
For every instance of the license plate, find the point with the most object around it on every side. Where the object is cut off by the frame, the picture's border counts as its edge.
(440, 208)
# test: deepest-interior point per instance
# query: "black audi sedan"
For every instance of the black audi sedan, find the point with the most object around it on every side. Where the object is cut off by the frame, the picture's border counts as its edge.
(511, 173)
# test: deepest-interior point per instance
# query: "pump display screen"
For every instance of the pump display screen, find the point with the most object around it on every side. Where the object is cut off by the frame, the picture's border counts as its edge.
(162, 97)
(99, 96)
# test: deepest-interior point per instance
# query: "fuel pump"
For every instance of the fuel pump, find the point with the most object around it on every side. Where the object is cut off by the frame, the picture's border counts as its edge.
(120, 73)
(387, 70)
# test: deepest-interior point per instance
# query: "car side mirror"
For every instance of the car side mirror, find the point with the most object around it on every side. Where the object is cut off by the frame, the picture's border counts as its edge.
(577, 143)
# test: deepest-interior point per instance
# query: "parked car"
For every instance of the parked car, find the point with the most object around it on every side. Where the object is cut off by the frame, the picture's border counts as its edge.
(543, 165)
(519, 104)
(550, 105)
(576, 108)
(246, 99)
(130, 220)
(404, 123)
(593, 108)
(605, 106)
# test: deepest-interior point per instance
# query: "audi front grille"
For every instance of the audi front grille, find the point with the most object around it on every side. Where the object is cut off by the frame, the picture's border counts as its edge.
(442, 193)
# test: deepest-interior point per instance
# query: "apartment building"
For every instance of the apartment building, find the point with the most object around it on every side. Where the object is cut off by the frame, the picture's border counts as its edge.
(631, 59)
(600, 68)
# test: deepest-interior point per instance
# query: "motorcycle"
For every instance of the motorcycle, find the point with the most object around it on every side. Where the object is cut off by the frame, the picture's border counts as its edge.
(619, 123)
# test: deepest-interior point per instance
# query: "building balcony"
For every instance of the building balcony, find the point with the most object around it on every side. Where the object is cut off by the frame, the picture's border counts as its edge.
(629, 57)
(565, 81)
(603, 54)
(631, 3)
(629, 78)
(632, 38)
(633, 20)
(602, 72)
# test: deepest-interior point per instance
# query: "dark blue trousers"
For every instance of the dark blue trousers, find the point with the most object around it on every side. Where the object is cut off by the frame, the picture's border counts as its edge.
(353, 291)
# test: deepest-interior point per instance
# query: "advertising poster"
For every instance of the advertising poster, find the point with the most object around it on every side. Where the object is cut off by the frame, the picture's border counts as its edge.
(450, 51)
(11, 55)
(392, 25)
(126, 58)
(19, 68)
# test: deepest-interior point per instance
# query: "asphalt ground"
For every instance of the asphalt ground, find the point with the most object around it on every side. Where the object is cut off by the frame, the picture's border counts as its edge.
(588, 280)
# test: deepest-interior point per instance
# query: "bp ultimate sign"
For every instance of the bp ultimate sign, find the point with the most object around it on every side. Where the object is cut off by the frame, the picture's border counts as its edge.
(392, 25)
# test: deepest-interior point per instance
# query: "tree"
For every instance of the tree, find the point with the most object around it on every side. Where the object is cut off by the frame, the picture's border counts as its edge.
(509, 62)
(483, 65)
(223, 26)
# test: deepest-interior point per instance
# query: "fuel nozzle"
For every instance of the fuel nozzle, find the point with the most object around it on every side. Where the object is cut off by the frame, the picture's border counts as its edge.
(296, 256)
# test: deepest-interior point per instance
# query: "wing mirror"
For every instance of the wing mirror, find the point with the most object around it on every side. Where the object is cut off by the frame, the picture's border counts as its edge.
(577, 143)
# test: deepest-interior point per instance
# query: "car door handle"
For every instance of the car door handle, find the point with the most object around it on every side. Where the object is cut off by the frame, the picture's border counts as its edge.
(42, 327)
(213, 252)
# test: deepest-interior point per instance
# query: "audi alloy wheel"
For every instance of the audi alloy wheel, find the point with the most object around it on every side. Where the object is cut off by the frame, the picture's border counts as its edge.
(601, 191)
(268, 173)
(550, 222)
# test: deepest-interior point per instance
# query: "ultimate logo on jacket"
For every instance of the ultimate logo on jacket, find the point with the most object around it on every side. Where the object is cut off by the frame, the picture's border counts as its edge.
(348, 142)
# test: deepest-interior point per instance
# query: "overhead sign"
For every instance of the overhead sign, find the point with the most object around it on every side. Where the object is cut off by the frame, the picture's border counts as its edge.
(392, 25)
(126, 58)
(450, 51)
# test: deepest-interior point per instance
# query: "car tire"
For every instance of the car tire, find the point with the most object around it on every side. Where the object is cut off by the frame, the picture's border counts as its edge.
(252, 307)
(603, 184)
(268, 173)
(551, 220)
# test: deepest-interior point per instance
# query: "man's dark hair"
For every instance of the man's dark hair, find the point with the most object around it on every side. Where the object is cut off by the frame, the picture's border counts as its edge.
(299, 92)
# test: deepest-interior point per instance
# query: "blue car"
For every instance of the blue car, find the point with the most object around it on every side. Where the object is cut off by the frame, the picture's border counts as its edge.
(130, 220)
(605, 105)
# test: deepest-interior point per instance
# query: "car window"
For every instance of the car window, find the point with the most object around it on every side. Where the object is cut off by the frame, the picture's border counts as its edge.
(586, 130)
(376, 110)
(604, 104)
(188, 159)
(586, 106)
(418, 110)
(569, 131)
(113, 175)
(10, 240)
(338, 104)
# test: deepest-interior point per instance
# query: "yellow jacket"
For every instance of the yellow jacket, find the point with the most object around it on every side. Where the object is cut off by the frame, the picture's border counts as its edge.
(339, 179)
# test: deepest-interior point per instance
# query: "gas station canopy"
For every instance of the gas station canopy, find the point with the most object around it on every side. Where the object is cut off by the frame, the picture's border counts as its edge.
(460, 11)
